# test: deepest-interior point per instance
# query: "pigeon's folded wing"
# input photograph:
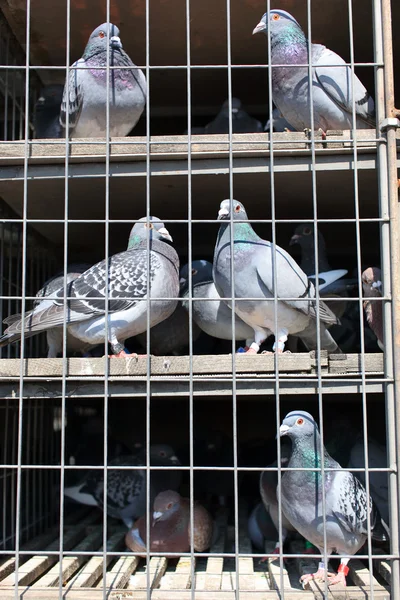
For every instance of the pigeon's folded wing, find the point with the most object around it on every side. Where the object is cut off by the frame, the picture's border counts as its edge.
(292, 282)
(72, 100)
(336, 80)
(350, 503)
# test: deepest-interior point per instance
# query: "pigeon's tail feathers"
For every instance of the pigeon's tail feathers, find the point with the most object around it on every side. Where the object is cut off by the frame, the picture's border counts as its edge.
(309, 338)
(326, 315)
(380, 533)
(80, 494)
(8, 338)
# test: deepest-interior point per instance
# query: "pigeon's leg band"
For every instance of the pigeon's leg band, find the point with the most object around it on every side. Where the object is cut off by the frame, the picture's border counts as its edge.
(254, 346)
(343, 569)
(321, 566)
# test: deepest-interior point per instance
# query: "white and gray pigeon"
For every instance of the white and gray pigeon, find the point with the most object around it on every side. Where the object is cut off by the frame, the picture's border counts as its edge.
(86, 99)
(253, 278)
(55, 336)
(372, 288)
(126, 277)
(126, 488)
(347, 506)
(211, 314)
(46, 118)
(332, 80)
(242, 122)
(279, 123)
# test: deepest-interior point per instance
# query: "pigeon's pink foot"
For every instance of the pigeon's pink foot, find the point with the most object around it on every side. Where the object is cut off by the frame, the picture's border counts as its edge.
(121, 354)
(320, 575)
(336, 578)
(251, 351)
(340, 576)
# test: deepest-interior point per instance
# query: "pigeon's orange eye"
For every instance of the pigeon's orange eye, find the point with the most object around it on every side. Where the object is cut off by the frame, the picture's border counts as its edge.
(300, 421)
(101, 34)
(149, 225)
(194, 271)
(237, 208)
(307, 230)
(275, 17)
(163, 453)
(169, 505)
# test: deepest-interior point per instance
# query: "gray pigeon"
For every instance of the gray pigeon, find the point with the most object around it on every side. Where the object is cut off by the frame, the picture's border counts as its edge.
(279, 123)
(372, 288)
(330, 281)
(171, 336)
(347, 506)
(55, 336)
(241, 121)
(86, 98)
(332, 80)
(127, 292)
(213, 317)
(46, 119)
(126, 489)
(253, 270)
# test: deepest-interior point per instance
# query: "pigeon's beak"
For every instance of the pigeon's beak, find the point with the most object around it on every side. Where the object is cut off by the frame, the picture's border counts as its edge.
(235, 111)
(294, 239)
(182, 281)
(165, 233)
(156, 517)
(377, 285)
(283, 429)
(175, 460)
(260, 27)
(115, 42)
(223, 213)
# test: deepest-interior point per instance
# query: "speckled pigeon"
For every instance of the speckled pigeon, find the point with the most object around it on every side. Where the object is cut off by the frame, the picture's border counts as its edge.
(372, 288)
(332, 80)
(86, 98)
(253, 270)
(55, 336)
(126, 489)
(242, 122)
(213, 317)
(170, 527)
(279, 123)
(378, 480)
(46, 118)
(127, 292)
(346, 503)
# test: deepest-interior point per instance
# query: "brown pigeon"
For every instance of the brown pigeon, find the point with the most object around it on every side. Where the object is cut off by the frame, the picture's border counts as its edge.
(170, 527)
(372, 288)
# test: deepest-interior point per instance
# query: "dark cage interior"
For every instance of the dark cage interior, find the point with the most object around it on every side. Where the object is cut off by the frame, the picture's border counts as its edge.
(185, 409)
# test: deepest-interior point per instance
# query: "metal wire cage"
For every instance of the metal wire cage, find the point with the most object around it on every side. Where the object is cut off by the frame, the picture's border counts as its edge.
(73, 425)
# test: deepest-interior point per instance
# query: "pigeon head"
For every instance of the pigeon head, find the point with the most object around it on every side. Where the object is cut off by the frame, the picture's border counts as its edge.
(298, 423)
(232, 207)
(104, 34)
(165, 504)
(50, 97)
(201, 273)
(163, 454)
(304, 236)
(372, 282)
(280, 23)
(150, 227)
(236, 106)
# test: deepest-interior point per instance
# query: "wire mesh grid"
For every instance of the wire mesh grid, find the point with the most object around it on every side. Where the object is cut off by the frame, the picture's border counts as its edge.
(81, 428)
